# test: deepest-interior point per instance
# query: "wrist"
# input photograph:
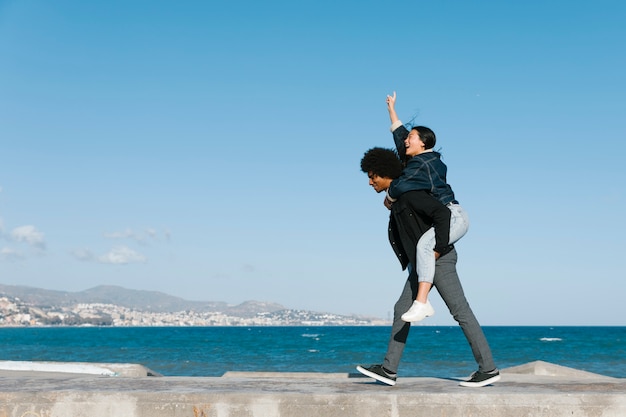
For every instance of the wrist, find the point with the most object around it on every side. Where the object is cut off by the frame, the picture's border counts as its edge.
(396, 124)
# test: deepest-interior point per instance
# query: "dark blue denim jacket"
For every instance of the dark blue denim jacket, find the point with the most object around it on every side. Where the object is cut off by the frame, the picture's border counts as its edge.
(425, 171)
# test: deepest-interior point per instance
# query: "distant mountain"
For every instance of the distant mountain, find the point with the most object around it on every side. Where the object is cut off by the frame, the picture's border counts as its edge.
(152, 301)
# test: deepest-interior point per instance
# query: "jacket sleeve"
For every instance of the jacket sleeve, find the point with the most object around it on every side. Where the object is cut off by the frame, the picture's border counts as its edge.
(441, 223)
(399, 135)
(412, 179)
(426, 205)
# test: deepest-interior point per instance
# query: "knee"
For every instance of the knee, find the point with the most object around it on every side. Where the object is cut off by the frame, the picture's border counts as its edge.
(461, 311)
(401, 307)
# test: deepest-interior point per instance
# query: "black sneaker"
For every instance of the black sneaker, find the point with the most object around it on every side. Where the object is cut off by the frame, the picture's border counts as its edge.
(378, 373)
(480, 379)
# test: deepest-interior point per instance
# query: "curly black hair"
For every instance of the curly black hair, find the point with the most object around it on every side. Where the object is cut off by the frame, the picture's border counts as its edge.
(382, 162)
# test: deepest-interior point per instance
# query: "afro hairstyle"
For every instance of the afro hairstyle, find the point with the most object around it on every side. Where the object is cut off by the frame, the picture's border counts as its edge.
(382, 162)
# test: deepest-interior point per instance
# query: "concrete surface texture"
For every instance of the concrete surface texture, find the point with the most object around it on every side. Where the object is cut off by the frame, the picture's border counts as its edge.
(535, 389)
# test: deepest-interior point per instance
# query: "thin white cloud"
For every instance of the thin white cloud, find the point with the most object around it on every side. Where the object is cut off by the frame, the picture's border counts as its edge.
(126, 234)
(21, 236)
(142, 237)
(30, 235)
(121, 255)
(10, 254)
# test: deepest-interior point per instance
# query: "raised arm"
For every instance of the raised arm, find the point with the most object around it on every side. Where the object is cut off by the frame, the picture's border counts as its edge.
(397, 128)
(391, 106)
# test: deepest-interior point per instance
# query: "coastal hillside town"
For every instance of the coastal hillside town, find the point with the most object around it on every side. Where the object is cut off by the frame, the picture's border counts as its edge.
(15, 312)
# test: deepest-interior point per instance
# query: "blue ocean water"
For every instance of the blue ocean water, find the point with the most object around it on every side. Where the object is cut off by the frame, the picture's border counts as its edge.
(210, 351)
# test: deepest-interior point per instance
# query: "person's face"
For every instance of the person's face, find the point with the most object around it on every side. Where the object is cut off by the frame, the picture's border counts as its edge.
(378, 183)
(413, 143)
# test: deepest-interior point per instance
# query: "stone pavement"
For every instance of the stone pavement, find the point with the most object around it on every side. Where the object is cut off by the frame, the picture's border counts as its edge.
(127, 390)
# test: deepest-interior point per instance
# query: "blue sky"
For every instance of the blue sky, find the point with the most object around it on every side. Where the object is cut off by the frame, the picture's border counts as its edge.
(210, 150)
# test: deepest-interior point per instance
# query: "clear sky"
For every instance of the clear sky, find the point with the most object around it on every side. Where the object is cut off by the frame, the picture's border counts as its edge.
(210, 150)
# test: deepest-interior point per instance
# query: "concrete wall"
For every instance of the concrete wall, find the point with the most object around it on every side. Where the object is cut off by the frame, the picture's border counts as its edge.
(521, 393)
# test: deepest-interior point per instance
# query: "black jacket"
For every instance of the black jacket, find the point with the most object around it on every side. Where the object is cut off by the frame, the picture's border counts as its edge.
(412, 214)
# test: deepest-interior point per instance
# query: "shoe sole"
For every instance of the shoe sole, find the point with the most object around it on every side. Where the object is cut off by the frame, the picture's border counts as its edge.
(377, 377)
(481, 383)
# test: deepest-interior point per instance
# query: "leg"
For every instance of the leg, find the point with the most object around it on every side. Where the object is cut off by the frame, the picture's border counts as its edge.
(425, 255)
(423, 288)
(459, 222)
(421, 308)
(386, 373)
(399, 328)
(449, 287)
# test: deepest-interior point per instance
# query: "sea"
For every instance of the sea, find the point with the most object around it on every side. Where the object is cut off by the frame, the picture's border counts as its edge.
(431, 351)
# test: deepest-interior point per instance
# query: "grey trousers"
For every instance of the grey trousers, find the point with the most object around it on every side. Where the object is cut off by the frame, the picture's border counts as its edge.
(449, 287)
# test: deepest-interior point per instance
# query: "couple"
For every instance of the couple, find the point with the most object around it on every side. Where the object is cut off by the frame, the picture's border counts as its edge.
(422, 229)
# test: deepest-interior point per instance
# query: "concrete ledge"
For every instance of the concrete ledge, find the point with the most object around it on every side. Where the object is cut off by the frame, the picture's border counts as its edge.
(41, 394)
(104, 369)
(286, 375)
(550, 369)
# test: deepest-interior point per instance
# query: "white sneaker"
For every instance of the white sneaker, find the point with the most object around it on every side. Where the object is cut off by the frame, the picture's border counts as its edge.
(418, 311)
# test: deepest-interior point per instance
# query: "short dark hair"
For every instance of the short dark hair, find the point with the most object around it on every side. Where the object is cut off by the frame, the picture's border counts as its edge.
(382, 162)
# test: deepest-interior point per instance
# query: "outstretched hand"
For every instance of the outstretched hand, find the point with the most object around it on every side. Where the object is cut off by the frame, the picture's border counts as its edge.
(391, 101)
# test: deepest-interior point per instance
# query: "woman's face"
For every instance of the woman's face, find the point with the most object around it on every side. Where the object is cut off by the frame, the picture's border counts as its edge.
(413, 143)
